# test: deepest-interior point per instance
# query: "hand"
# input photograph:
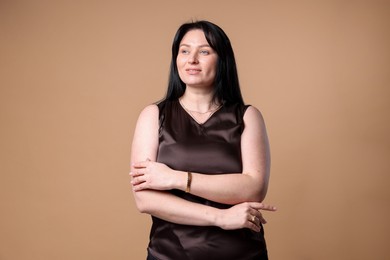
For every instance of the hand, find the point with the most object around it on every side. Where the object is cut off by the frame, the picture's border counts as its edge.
(244, 215)
(153, 175)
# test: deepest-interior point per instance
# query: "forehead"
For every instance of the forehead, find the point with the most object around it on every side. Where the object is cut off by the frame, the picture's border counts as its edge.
(194, 37)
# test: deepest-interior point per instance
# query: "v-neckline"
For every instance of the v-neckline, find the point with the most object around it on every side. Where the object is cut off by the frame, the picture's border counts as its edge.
(194, 119)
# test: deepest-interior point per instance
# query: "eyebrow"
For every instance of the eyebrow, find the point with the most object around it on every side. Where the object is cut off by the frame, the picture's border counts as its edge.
(200, 46)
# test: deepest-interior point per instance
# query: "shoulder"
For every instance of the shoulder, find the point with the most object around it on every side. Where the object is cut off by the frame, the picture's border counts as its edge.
(253, 116)
(253, 111)
(148, 115)
(149, 111)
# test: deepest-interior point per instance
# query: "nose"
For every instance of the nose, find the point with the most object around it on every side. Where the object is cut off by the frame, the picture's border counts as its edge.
(193, 58)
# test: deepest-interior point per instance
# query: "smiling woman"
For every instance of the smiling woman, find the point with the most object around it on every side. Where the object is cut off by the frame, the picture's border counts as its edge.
(200, 158)
(196, 61)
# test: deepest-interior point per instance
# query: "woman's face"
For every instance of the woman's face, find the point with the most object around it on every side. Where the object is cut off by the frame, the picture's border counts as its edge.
(196, 60)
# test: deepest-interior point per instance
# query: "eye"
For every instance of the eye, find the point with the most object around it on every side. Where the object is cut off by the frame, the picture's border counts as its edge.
(184, 51)
(205, 52)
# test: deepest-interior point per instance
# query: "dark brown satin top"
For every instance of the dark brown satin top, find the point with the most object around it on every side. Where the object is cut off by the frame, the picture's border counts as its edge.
(213, 148)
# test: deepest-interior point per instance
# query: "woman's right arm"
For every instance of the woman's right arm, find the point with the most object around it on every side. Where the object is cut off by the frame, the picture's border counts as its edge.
(169, 207)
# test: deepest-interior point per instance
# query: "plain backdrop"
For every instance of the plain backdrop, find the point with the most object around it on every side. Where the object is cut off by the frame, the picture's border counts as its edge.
(74, 76)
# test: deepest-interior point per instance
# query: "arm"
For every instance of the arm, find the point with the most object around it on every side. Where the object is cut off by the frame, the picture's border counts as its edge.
(250, 185)
(172, 208)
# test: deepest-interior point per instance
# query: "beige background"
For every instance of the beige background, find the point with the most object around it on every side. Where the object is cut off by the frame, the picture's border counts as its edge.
(75, 74)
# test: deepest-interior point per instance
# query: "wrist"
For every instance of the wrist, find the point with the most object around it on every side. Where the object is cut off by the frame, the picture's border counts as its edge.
(181, 181)
(218, 217)
(213, 216)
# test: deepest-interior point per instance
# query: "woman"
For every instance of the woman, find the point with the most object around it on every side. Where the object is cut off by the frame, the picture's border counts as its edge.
(200, 158)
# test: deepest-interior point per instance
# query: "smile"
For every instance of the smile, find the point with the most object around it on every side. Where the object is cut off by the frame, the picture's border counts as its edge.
(193, 71)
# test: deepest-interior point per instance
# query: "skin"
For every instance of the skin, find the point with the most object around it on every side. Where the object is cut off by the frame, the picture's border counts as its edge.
(196, 61)
(246, 190)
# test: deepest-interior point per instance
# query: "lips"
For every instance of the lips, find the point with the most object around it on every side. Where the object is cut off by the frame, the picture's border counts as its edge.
(193, 70)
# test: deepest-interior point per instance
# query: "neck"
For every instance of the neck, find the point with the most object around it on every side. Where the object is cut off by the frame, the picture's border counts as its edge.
(199, 102)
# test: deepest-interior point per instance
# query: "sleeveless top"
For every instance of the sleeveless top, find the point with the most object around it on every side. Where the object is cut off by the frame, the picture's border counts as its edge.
(213, 147)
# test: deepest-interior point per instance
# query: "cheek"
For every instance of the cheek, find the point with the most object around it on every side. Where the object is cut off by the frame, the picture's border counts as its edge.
(213, 64)
(213, 68)
(180, 69)
(179, 66)
(180, 61)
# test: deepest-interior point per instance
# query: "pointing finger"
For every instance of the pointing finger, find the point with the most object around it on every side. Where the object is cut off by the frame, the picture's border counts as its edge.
(262, 206)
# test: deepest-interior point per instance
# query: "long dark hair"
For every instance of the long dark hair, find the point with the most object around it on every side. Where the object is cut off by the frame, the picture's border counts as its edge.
(226, 85)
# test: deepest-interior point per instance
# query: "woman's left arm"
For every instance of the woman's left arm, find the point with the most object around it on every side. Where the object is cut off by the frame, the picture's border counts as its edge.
(232, 188)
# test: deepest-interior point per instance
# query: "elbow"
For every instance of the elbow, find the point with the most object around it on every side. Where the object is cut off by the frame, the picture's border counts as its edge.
(257, 197)
(141, 204)
(254, 196)
(263, 193)
(148, 201)
(261, 197)
(256, 188)
(259, 194)
(141, 208)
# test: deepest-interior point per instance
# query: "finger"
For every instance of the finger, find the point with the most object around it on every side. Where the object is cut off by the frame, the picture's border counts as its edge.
(262, 206)
(254, 212)
(268, 208)
(139, 172)
(141, 164)
(254, 219)
(138, 180)
(257, 214)
(135, 174)
(142, 186)
(253, 227)
(262, 220)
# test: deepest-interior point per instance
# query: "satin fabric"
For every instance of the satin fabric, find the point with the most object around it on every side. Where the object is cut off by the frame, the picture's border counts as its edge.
(211, 148)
